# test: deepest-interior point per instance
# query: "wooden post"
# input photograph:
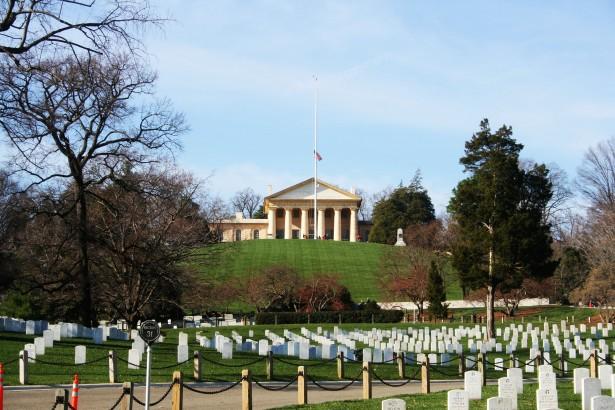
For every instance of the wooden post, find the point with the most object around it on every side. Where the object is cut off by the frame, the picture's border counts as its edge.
(538, 359)
(246, 390)
(177, 394)
(511, 361)
(23, 367)
(269, 365)
(401, 365)
(482, 368)
(113, 369)
(62, 398)
(367, 380)
(593, 364)
(425, 382)
(462, 364)
(340, 365)
(198, 367)
(128, 390)
(562, 365)
(302, 391)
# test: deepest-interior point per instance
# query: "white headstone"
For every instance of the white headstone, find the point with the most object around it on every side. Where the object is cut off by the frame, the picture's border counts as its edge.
(473, 384)
(48, 337)
(605, 371)
(183, 338)
(508, 389)
(30, 327)
(263, 347)
(29, 347)
(546, 399)
(546, 381)
(393, 404)
(578, 375)
(227, 350)
(182, 353)
(134, 358)
(602, 403)
(400, 238)
(80, 354)
(499, 403)
(97, 335)
(591, 387)
(516, 375)
(39, 346)
(458, 400)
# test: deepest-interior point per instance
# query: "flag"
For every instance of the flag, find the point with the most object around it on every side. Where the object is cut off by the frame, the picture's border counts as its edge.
(317, 155)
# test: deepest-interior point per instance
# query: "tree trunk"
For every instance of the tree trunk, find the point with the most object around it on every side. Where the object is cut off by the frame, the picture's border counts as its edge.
(87, 314)
(490, 312)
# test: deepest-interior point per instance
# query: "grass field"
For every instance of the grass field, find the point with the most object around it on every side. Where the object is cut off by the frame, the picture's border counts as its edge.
(356, 264)
(526, 401)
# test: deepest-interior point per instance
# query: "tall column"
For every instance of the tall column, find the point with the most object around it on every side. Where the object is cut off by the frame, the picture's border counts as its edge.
(337, 224)
(321, 222)
(288, 215)
(305, 232)
(271, 224)
(353, 224)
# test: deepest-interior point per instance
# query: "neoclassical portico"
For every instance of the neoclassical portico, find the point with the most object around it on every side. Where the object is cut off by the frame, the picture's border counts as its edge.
(290, 212)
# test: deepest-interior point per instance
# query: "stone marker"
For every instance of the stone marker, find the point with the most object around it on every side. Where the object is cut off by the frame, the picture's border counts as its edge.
(591, 387)
(80, 354)
(458, 400)
(183, 338)
(473, 384)
(546, 381)
(602, 403)
(499, 403)
(605, 371)
(30, 327)
(516, 375)
(48, 337)
(546, 399)
(508, 389)
(29, 347)
(182, 353)
(578, 375)
(134, 358)
(393, 404)
(39, 346)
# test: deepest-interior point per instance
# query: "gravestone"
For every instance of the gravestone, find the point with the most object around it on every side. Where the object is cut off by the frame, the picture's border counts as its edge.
(546, 399)
(183, 338)
(458, 400)
(578, 375)
(499, 364)
(393, 404)
(30, 327)
(516, 375)
(400, 238)
(544, 368)
(97, 336)
(227, 350)
(304, 351)
(605, 371)
(134, 358)
(546, 381)
(263, 347)
(48, 338)
(508, 389)
(591, 387)
(29, 347)
(80, 354)
(39, 346)
(499, 403)
(182, 353)
(473, 384)
(602, 403)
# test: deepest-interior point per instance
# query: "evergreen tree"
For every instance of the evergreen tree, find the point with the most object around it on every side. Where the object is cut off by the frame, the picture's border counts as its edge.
(499, 209)
(406, 205)
(436, 292)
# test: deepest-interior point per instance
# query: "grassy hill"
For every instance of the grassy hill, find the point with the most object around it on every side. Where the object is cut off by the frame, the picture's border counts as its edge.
(357, 264)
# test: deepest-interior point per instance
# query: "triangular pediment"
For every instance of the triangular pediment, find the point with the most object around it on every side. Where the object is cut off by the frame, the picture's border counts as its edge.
(305, 191)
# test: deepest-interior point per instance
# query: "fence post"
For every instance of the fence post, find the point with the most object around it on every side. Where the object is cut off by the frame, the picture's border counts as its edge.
(425, 382)
(367, 380)
(269, 365)
(246, 390)
(562, 365)
(302, 391)
(128, 390)
(62, 398)
(23, 367)
(340, 365)
(198, 367)
(462, 364)
(113, 369)
(538, 360)
(401, 365)
(482, 368)
(177, 394)
(593, 364)
(511, 361)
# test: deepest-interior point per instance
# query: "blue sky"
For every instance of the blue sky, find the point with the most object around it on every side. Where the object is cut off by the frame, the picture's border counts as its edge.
(402, 86)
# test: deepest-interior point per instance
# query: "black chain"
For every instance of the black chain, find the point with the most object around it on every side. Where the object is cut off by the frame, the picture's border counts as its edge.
(118, 401)
(10, 361)
(305, 365)
(263, 386)
(155, 368)
(260, 359)
(229, 387)
(159, 400)
(70, 406)
(37, 360)
(54, 405)
(390, 384)
(347, 385)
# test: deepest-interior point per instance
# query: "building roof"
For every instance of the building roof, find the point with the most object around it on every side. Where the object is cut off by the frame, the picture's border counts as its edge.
(304, 190)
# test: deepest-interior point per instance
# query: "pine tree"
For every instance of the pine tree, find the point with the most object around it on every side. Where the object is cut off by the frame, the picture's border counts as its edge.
(436, 293)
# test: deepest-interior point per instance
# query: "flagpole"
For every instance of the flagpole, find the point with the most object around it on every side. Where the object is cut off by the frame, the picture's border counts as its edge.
(314, 156)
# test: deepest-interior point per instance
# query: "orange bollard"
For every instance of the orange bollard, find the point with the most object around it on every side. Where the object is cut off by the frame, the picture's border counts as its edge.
(1, 386)
(74, 400)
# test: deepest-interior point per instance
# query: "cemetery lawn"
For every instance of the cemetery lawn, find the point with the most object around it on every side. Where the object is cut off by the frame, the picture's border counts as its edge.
(356, 264)
(527, 401)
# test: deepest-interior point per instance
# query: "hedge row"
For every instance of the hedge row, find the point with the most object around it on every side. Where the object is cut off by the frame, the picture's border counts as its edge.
(349, 316)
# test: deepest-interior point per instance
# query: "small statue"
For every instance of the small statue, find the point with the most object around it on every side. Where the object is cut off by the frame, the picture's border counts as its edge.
(400, 238)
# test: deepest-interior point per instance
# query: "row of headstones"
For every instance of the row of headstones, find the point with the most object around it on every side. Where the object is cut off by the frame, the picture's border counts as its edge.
(61, 330)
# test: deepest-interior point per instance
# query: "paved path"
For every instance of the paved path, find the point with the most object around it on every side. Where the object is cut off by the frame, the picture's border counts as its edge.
(102, 397)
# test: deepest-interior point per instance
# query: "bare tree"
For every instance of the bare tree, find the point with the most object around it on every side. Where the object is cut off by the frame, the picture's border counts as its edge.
(95, 26)
(365, 210)
(596, 175)
(75, 123)
(246, 201)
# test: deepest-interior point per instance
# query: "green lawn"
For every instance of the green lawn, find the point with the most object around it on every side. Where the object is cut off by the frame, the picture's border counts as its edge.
(526, 401)
(357, 264)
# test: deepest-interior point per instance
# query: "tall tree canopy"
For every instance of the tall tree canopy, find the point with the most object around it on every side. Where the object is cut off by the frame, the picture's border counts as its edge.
(406, 205)
(502, 235)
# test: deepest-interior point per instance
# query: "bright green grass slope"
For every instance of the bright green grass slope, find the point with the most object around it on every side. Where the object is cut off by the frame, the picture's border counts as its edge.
(357, 264)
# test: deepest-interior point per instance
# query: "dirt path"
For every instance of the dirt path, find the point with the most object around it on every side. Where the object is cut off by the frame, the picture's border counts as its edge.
(102, 397)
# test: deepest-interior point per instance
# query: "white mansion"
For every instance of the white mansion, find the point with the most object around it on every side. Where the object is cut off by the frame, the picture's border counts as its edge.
(290, 215)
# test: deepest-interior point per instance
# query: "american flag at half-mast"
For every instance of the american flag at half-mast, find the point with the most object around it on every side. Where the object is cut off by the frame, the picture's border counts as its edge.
(317, 156)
